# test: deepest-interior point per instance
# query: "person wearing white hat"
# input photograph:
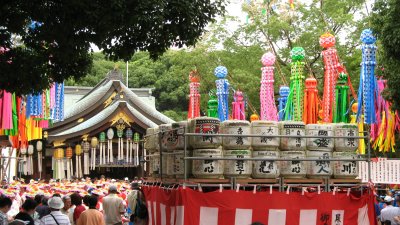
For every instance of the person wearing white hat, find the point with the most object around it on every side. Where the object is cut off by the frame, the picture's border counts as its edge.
(55, 217)
(389, 212)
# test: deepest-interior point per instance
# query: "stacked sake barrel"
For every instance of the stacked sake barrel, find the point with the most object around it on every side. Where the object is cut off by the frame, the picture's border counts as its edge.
(173, 143)
(292, 148)
(265, 147)
(206, 146)
(320, 147)
(345, 148)
(151, 144)
(237, 147)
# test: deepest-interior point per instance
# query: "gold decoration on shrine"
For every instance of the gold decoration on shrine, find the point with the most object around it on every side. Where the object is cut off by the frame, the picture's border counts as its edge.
(121, 118)
(110, 99)
(58, 143)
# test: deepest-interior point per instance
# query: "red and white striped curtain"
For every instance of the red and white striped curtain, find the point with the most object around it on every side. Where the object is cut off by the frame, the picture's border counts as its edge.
(189, 207)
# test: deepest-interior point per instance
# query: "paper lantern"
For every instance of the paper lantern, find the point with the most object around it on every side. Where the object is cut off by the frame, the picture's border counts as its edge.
(94, 142)
(39, 146)
(78, 150)
(68, 152)
(110, 133)
(129, 134)
(30, 150)
(136, 137)
(102, 137)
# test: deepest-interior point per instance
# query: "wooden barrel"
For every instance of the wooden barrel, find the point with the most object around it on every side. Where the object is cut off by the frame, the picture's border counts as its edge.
(267, 128)
(179, 166)
(155, 165)
(295, 168)
(266, 169)
(345, 169)
(319, 144)
(239, 127)
(292, 128)
(152, 142)
(348, 131)
(237, 168)
(319, 169)
(210, 168)
(205, 125)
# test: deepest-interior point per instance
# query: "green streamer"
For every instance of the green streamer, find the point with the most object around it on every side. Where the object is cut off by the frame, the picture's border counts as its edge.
(340, 114)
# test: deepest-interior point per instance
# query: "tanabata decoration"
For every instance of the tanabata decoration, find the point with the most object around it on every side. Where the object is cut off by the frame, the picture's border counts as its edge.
(129, 145)
(136, 139)
(68, 154)
(387, 122)
(194, 96)
(268, 109)
(222, 92)
(30, 159)
(24, 151)
(86, 149)
(361, 144)
(310, 113)
(341, 107)
(120, 132)
(93, 143)
(39, 148)
(331, 64)
(110, 136)
(294, 105)
(367, 87)
(283, 95)
(78, 161)
(212, 106)
(58, 168)
(102, 138)
(254, 117)
(238, 111)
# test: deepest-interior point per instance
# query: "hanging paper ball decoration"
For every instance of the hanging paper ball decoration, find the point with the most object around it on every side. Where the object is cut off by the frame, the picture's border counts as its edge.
(78, 149)
(102, 137)
(367, 37)
(284, 91)
(68, 152)
(254, 117)
(61, 153)
(120, 133)
(85, 146)
(136, 137)
(23, 151)
(221, 72)
(327, 40)
(110, 133)
(354, 107)
(297, 53)
(129, 134)
(268, 59)
(39, 146)
(30, 150)
(94, 142)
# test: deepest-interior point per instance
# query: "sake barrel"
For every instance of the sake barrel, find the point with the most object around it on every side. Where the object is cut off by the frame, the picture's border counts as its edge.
(348, 131)
(176, 138)
(205, 125)
(179, 166)
(239, 127)
(265, 169)
(152, 143)
(267, 128)
(210, 168)
(292, 128)
(155, 165)
(238, 168)
(166, 134)
(319, 169)
(319, 144)
(343, 169)
(169, 164)
(295, 168)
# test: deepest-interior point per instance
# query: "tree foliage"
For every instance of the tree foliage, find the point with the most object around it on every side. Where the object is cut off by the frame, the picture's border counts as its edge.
(385, 21)
(44, 41)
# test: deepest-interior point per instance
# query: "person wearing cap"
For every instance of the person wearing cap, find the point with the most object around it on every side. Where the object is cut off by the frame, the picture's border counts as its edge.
(55, 217)
(113, 207)
(91, 216)
(389, 212)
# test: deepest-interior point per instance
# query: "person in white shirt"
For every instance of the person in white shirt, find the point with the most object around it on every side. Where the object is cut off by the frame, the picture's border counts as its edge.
(55, 217)
(389, 212)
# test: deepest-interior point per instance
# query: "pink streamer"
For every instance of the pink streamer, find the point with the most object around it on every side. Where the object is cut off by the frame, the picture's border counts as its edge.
(238, 112)
(7, 111)
(267, 95)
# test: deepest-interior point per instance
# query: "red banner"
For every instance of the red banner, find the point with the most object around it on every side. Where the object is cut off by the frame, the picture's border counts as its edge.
(189, 207)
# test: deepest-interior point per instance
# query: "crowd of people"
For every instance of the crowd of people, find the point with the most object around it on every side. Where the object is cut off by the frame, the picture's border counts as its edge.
(387, 208)
(84, 202)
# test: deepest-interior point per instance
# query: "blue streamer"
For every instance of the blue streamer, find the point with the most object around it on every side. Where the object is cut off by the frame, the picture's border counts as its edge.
(368, 82)
(222, 92)
(284, 93)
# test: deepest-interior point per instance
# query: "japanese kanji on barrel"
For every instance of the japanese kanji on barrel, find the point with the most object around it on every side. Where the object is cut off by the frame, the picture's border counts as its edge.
(292, 128)
(348, 131)
(205, 125)
(266, 169)
(210, 168)
(319, 143)
(266, 128)
(294, 168)
(239, 168)
(319, 169)
(342, 169)
(236, 127)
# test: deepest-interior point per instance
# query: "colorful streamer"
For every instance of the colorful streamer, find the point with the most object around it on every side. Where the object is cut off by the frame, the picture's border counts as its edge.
(222, 92)
(212, 106)
(310, 112)
(331, 64)
(341, 108)
(294, 106)
(267, 99)
(194, 96)
(284, 93)
(238, 111)
(367, 88)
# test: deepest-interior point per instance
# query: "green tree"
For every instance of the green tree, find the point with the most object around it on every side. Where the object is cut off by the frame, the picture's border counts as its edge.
(49, 41)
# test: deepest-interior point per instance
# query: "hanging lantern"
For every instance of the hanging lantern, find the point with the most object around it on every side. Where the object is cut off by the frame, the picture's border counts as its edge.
(310, 113)
(68, 155)
(136, 139)
(30, 159)
(222, 92)
(129, 144)
(24, 151)
(102, 138)
(110, 136)
(194, 96)
(39, 148)
(86, 149)
(78, 163)
(268, 109)
(294, 106)
(93, 143)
